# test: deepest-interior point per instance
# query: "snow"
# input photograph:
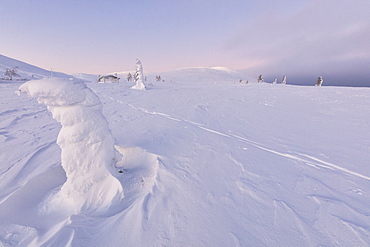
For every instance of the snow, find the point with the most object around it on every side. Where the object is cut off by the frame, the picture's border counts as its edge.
(87, 77)
(204, 163)
(87, 146)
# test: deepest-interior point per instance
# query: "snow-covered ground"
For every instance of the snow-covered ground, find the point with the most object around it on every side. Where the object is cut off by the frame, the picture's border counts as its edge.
(205, 163)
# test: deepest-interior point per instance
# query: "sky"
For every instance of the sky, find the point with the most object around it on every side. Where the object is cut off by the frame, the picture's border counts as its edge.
(297, 38)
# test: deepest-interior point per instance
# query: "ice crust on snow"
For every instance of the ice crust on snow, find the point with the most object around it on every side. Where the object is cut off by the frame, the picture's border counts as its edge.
(86, 143)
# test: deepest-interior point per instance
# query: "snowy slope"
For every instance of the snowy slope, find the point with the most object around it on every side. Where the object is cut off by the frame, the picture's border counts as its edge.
(25, 70)
(207, 164)
(202, 74)
(86, 77)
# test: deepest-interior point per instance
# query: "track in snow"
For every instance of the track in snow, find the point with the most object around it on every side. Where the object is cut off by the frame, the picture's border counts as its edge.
(307, 160)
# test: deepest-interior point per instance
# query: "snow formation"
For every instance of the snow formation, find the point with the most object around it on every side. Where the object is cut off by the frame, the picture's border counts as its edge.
(86, 143)
(139, 76)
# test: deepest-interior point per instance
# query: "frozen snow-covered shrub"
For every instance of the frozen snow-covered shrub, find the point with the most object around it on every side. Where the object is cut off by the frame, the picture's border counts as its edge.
(283, 81)
(275, 81)
(10, 73)
(138, 76)
(319, 81)
(260, 78)
(86, 142)
(129, 77)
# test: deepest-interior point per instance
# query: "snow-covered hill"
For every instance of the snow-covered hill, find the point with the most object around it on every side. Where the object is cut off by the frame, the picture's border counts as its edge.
(200, 74)
(86, 77)
(25, 70)
(206, 164)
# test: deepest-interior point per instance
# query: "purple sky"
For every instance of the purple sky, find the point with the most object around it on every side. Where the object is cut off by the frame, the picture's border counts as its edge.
(298, 37)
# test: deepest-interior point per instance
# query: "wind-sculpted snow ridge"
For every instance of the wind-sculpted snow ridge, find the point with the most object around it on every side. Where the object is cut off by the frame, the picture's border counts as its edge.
(138, 170)
(86, 143)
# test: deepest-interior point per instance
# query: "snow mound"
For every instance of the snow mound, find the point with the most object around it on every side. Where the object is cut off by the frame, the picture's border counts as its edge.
(141, 166)
(86, 143)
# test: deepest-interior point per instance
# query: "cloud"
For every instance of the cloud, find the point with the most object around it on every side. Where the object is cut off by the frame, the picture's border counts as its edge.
(320, 36)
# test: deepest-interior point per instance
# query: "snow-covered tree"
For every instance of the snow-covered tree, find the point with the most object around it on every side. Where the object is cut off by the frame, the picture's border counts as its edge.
(283, 81)
(260, 78)
(86, 142)
(129, 77)
(319, 81)
(139, 76)
(158, 78)
(247, 82)
(11, 72)
(275, 81)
